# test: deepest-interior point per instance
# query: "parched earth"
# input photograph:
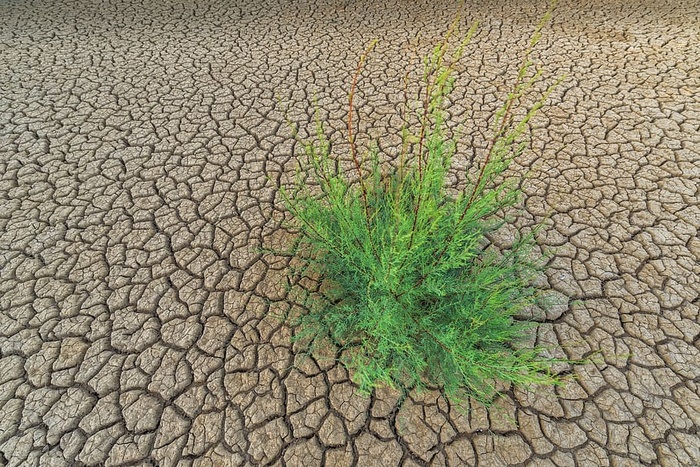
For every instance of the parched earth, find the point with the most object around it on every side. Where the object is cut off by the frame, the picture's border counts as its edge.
(141, 149)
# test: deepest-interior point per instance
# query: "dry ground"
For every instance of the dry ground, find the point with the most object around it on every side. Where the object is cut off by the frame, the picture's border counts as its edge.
(141, 144)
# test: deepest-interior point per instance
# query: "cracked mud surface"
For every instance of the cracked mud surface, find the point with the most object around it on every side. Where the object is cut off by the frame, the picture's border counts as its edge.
(140, 151)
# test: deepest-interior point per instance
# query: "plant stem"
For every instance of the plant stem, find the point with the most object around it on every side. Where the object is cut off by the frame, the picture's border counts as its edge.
(353, 149)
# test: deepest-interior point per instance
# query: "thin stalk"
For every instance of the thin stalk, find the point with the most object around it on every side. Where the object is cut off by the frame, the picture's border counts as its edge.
(430, 97)
(353, 148)
(351, 137)
(424, 124)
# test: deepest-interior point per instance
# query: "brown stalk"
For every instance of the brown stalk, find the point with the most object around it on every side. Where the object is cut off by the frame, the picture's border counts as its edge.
(353, 148)
(424, 123)
(351, 138)
(499, 133)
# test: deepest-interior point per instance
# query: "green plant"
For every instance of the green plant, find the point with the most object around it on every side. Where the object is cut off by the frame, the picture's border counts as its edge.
(411, 288)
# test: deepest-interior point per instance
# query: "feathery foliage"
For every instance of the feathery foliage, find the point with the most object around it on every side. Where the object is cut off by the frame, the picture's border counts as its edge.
(411, 287)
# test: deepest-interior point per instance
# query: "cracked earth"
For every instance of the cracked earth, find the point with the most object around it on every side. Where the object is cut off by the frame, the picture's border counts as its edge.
(141, 147)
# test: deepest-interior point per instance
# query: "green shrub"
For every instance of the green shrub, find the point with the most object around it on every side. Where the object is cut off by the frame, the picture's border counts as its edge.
(412, 290)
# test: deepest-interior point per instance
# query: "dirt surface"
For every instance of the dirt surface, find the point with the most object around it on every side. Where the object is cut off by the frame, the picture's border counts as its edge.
(141, 146)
